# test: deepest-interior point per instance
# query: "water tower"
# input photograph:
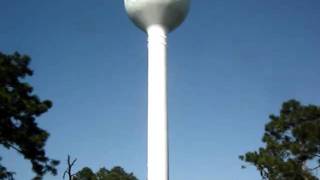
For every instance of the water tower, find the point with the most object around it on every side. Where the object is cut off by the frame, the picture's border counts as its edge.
(157, 18)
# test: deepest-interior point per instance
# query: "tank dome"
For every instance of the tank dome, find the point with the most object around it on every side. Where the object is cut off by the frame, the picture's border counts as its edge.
(168, 13)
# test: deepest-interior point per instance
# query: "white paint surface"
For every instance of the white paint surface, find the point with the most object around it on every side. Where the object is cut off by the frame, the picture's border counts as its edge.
(157, 104)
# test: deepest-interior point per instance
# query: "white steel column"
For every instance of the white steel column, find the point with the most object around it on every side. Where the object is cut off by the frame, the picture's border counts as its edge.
(157, 104)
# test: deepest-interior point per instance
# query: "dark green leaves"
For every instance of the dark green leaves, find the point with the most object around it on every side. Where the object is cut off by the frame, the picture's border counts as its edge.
(18, 111)
(116, 173)
(292, 143)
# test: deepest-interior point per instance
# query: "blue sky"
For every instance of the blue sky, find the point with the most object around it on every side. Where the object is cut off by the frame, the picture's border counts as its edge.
(231, 64)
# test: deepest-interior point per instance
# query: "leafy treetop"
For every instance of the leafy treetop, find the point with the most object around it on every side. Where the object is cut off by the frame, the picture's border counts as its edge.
(292, 139)
(116, 173)
(19, 108)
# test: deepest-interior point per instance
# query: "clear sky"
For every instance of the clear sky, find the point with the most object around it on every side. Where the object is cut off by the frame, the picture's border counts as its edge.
(231, 64)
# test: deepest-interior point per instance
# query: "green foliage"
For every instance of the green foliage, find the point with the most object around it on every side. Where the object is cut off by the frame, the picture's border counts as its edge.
(102, 173)
(4, 173)
(85, 174)
(116, 173)
(292, 139)
(18, 111)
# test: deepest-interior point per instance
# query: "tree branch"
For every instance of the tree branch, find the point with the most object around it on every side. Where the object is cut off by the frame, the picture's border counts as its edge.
(15, 148)
(315, 168)
(68, 171)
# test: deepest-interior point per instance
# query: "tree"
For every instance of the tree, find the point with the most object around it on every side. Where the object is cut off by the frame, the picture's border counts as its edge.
(102, 173)
(116, 173)
(292, 150)
(85, 174)
(18, 110)
(68, 171)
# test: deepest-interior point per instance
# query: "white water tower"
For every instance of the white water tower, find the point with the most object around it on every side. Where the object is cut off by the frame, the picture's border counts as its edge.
(157, 18)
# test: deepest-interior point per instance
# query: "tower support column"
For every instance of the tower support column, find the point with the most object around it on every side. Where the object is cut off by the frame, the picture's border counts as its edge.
(157, 104)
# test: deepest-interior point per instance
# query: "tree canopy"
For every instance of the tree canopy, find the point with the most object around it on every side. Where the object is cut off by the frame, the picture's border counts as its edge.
(292, 144)
(19, 108)
(116, 173)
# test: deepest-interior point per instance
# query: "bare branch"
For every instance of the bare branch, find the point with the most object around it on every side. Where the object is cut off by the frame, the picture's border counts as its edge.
(15, 148)
(73, 162)
(64, 174)
(315, 168)
(68, 171)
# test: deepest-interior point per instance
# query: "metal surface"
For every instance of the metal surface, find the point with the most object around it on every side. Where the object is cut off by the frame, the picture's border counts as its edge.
(168, 13)
(157, 18)
(157, 104)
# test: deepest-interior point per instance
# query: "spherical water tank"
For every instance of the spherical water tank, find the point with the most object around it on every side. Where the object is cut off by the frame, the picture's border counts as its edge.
(167, 13)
